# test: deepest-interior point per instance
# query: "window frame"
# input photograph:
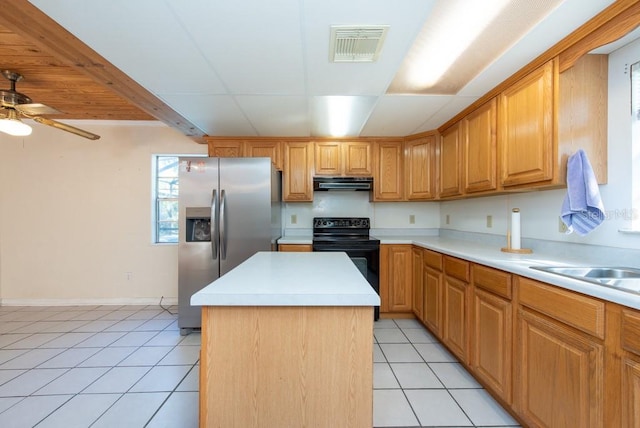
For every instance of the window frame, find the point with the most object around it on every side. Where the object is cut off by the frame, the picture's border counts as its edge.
(155, 199)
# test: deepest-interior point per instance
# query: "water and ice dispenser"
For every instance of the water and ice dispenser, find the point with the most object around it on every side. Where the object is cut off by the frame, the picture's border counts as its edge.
(198, 224)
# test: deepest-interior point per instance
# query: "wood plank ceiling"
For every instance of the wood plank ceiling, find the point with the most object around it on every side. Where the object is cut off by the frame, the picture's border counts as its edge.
(62, 72)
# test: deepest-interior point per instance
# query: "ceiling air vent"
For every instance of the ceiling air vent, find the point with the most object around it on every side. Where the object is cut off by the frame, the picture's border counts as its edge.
(361, 43)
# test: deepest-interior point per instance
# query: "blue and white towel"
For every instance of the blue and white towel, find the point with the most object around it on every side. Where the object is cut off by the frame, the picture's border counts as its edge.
(582, 209)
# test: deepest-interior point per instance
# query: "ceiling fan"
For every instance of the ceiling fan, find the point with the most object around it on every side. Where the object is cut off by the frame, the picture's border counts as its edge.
(13, 105)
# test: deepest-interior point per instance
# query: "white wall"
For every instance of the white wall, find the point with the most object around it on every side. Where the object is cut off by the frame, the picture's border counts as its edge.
(541, 210)
(356, 204)
(75, 215)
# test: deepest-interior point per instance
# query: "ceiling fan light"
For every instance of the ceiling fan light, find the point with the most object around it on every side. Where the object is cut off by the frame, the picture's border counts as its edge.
(13, 126)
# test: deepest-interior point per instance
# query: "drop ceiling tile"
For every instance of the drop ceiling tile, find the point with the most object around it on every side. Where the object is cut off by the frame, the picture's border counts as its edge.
(143, 39)
(393, 115)
(255, 46)
(439, 117)
(213, 114)
(276, 115)
(339, 116)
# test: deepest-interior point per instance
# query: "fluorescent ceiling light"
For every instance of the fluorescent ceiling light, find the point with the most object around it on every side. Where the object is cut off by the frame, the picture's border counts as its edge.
(13, 126)
(440, 45)
(340, 116)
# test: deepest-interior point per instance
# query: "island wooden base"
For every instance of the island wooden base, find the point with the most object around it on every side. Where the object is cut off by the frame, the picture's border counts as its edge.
(269, 366)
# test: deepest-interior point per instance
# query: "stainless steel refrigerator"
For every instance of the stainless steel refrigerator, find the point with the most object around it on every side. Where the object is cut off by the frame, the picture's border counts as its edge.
(230, 208)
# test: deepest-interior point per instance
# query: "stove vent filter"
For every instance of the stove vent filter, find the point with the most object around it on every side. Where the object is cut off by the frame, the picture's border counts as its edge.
(361, 43)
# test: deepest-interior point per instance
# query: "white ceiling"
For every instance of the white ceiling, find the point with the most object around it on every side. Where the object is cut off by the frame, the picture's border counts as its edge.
(261, 68)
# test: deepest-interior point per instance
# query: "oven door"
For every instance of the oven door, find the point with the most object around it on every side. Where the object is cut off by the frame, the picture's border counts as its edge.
(366, 259)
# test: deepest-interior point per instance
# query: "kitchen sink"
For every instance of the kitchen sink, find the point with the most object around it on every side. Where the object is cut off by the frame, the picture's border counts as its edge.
(621, 278)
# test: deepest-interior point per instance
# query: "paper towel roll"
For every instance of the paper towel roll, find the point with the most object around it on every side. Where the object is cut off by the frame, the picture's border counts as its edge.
(515, 229)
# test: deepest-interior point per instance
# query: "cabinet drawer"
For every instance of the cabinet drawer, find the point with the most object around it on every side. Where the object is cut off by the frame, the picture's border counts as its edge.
(576, 310)
(631, 331)
(432, 259)
(493, 280)
(456, 268)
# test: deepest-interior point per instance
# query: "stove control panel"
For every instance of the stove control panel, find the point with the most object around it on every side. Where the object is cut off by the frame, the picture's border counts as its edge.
(341, 222)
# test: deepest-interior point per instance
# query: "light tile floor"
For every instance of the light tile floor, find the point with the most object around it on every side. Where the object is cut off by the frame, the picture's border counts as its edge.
(128, 366)
(418, 383)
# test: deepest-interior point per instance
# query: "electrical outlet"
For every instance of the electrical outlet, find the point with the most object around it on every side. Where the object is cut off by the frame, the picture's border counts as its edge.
(129, 275)
(562, 228)
(489, 221)
(412, 219)
(447, 219)
(294, 219)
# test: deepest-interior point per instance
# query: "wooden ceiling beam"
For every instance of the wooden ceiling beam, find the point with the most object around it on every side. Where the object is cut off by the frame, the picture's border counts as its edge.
(29, 22)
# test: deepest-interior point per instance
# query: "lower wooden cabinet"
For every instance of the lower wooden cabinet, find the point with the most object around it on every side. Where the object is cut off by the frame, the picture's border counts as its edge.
(432, 283)
(395, 278)
(418, 288)
(492, 342)
(298, 248)
(455, 309)
(560, 374)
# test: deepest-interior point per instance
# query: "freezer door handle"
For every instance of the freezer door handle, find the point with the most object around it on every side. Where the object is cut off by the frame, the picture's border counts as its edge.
(214, 229)
(223, 225)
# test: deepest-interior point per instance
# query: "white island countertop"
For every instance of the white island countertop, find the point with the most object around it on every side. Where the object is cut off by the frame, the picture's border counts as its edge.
(290, 279)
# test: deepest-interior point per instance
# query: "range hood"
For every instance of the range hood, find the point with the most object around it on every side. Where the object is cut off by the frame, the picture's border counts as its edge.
(342, 183)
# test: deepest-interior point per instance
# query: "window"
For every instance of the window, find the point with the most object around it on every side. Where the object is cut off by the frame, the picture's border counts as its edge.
(635, 143)
(165, 185)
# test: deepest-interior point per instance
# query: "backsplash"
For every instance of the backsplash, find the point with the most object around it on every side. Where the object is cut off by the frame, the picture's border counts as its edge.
(299, 215)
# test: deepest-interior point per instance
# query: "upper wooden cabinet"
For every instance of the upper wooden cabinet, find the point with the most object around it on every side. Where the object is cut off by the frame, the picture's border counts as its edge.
(267, 149)
(343, 158)
(451, 162)
(479, 149)
(420, 168)
(388, 176)
(247, 147)
(297, 176)
(219, 148)
(526, 128)
(546, 117)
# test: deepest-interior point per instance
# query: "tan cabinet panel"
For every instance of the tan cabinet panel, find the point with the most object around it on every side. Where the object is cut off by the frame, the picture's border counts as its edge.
(328, 158)
(420, 171)
(451, 162)
(526, 120)
(297, 248)
(480, 149)
(225, 149)
(358, 158)
(265, 149)
(388, 176)
(418, 292)
(396, 292)
(297, 177)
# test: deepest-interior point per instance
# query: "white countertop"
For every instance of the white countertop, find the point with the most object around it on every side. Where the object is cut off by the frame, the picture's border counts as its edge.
(519, 264)
(290, 279)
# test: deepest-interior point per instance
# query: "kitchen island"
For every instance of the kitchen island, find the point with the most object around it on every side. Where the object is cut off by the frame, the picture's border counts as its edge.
(287, 341)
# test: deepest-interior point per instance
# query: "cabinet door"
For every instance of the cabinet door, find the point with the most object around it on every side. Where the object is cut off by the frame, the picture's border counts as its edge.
(357, 158)
(420, 161)
(480, 152)
(297, 176)
(328, 158)
(225, 149)
(455, 332)
(388, 178)
(492, 342)
(296, 248)
(265, 149)
(630, 397)
(395, 278)
(432, 285)
(418, 295)
(526, 122)
(559, 374)
(450, 163)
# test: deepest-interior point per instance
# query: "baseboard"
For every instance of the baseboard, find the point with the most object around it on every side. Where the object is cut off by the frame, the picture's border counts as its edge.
(137, 301)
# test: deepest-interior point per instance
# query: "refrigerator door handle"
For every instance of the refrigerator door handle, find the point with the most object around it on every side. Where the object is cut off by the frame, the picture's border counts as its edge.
(223, 226)
(214, 221)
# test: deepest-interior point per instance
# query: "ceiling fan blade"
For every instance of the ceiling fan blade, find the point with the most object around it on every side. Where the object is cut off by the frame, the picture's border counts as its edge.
(33, 109)
(65, 127)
